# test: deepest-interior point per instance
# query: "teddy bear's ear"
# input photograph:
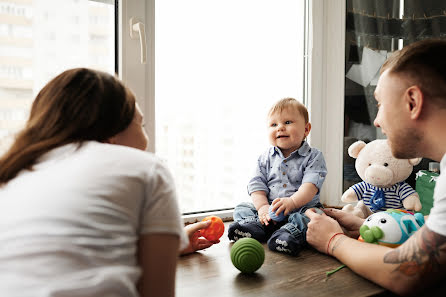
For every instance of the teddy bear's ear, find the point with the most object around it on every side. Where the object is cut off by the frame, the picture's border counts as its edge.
(355, 148)
(414, 161)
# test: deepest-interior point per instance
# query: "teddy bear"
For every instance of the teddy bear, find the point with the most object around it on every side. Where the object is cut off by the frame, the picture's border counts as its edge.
(383, 177)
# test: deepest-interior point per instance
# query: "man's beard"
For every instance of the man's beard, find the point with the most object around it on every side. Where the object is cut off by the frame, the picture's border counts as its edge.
(406, 144)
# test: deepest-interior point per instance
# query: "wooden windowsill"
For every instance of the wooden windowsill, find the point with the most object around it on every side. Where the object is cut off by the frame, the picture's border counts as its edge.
(211, 273)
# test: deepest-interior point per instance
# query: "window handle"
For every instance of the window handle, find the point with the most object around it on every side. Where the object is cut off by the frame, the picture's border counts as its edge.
(137, 30)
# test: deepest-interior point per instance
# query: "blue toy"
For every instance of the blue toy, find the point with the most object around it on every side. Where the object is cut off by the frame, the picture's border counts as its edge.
(274, 217)
(391, 227)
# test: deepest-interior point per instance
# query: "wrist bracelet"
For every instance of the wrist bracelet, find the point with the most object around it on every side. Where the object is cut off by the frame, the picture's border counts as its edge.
(328, 246)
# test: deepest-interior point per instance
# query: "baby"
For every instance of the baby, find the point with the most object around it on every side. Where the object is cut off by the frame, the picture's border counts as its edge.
(289, 176)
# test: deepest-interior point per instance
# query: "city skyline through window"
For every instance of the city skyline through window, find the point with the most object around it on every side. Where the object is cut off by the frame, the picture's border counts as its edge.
(41, 38)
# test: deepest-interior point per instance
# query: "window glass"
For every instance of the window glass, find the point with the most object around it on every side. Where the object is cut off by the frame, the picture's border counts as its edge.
(41, 38)
(219, 67)
(373, 31)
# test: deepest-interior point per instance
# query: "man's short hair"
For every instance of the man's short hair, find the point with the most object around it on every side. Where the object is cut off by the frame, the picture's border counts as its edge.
(423, 63)
(284, 103)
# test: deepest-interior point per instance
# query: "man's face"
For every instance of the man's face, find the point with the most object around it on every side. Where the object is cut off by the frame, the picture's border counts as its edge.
(393, 116)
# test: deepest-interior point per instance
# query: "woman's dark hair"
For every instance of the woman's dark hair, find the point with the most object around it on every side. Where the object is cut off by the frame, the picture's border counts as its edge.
(78, 105)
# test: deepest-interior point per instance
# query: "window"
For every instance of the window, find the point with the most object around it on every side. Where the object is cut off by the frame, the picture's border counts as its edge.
(219, 66)
(40, 39)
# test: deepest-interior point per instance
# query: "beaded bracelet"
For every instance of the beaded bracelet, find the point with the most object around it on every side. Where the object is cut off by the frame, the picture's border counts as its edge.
(334, 235)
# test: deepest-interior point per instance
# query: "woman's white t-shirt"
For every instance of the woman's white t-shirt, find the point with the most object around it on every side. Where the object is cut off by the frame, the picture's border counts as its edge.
(437, 218)
(70, 227)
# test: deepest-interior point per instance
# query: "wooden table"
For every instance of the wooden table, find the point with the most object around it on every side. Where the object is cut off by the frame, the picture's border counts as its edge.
(210, 273)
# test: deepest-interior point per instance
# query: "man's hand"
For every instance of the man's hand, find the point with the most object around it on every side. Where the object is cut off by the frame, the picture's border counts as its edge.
(349, 222)
(320, 229)
(195, 241)
(285, 205)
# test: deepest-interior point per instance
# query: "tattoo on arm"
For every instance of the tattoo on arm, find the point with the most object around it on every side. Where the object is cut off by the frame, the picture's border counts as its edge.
(419, 255)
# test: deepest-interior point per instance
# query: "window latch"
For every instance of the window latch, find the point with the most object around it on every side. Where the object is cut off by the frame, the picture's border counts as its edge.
(137, 30)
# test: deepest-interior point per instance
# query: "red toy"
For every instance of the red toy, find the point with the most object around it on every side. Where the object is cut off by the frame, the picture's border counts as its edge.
(215, 229)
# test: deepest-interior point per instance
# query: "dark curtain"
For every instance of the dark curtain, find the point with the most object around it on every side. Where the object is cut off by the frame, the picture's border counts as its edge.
(377, 22)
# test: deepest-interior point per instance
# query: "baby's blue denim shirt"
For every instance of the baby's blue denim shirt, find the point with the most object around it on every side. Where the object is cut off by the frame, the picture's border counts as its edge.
(281, 177)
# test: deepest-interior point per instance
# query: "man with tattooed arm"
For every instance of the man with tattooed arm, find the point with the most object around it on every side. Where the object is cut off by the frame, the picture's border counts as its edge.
(411, 98)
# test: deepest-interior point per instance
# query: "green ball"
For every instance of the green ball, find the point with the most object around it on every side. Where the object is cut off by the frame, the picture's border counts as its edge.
(247, 255)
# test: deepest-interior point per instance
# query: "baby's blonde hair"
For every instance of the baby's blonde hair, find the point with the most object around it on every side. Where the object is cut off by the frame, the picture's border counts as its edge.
(285, 103)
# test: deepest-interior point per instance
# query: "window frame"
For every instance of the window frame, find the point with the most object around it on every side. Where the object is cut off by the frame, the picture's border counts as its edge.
(326, 92)
(140, 78)
(323, 91)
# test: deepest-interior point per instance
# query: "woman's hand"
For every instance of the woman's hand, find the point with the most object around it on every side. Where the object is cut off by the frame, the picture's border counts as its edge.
(196, 242)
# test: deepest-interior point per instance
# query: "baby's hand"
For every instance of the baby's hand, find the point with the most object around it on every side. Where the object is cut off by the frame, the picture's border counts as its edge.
(263, 215)
(285, 205)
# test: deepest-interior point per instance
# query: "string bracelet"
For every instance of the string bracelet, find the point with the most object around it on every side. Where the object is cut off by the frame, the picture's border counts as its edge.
(328, 245)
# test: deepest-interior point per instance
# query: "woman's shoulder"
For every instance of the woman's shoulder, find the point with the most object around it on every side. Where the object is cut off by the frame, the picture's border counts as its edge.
(121, 156)
(121, 162)
(114, 149)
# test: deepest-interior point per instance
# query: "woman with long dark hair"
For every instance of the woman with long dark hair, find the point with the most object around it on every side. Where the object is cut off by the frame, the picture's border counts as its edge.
(84, 211)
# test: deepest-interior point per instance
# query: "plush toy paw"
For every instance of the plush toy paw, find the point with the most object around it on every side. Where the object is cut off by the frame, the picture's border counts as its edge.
(349, 196)
(348, 208)
(412, 202)
(355, 210)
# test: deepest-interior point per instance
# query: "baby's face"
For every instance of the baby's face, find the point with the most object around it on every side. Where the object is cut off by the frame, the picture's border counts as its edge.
(287, 130)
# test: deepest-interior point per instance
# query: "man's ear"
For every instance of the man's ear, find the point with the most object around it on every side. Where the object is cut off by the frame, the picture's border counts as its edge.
(414, 101)
(307, 129)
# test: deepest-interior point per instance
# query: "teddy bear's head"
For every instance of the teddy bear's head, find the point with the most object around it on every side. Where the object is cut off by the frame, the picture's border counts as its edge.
(376, 165)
